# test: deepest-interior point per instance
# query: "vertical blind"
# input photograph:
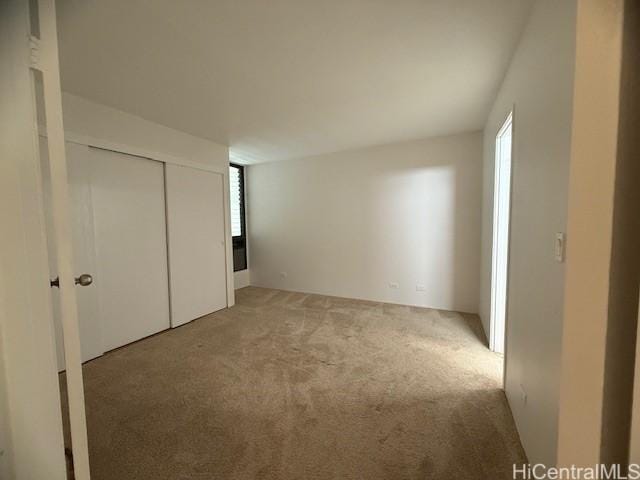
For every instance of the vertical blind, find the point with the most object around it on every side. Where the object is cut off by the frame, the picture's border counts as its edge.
(236, 201)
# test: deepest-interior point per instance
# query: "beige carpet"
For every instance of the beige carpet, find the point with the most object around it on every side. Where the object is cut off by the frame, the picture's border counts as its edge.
(295, 386)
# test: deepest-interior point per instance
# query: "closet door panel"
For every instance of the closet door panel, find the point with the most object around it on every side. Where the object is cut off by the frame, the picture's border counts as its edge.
(79, 172)
(131, 246)
(196, 234)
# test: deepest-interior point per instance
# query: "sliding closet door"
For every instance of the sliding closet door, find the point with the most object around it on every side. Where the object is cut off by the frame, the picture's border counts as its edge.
(131, 249)
(197, 260)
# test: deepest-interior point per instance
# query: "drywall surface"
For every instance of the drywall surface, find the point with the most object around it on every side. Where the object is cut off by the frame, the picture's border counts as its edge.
(241, 279)
(603, 259)
(89, 119)
(539, 86)
(396, 223)
(624, 275)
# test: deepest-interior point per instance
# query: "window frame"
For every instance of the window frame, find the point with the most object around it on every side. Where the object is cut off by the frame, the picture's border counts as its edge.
(240, 241)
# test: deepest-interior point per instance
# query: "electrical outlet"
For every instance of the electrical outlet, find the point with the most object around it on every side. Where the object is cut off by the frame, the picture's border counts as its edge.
(394, 285)
(420, 287)
(283, 274)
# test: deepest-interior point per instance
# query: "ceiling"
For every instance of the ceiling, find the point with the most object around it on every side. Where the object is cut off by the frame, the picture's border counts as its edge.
(281, 79)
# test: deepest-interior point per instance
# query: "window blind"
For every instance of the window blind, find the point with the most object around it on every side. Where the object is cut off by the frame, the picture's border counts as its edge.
(235, 180)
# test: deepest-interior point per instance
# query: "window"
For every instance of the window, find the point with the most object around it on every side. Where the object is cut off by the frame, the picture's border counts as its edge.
(238, 223)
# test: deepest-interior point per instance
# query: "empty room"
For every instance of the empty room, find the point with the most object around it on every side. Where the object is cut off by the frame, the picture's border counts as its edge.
(293, 239)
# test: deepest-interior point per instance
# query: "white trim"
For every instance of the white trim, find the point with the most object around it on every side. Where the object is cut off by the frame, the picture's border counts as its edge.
(62, 233)
(495, 343)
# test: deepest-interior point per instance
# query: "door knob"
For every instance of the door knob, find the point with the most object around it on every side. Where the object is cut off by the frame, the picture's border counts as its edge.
(84, 280)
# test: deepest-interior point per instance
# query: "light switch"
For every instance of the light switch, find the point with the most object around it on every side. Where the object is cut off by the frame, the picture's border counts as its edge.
(523, 394)
(560, 246)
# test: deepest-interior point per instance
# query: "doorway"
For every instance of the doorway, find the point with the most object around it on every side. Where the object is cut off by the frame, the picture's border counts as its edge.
(500, 256)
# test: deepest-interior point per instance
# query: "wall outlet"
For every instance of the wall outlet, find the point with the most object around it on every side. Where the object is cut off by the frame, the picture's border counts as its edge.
(420, 287)
(283, 274)
(394, 285)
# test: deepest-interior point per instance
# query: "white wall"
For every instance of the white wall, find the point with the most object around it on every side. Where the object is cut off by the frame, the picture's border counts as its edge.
(603, 259)
(95, 121)
(350, 223)
(241, 279)
(539, 82)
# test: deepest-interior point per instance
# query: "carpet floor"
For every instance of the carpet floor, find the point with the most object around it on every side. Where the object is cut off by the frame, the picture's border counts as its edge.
(296, 386)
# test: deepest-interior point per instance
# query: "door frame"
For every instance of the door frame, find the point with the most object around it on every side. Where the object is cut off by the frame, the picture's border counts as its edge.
(46, 61)
(29, 387)
(508, 120)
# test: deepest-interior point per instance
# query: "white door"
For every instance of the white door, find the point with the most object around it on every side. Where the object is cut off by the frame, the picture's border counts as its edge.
(46, 61)
(501, 207)
(81, 203)
(197, 252)
(131, 249)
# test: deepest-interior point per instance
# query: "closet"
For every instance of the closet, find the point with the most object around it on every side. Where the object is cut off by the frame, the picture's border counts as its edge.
(129, 221)
(196, 237)
(151, 235)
